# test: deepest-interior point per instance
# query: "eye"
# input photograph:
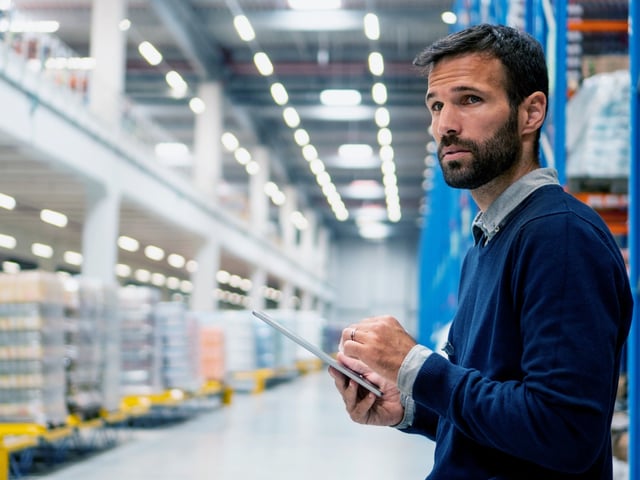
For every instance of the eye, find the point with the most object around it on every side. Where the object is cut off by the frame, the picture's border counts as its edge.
(435, 106)
(471, 99)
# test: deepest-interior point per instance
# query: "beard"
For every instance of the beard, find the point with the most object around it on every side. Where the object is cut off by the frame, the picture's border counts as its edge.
(490, 158)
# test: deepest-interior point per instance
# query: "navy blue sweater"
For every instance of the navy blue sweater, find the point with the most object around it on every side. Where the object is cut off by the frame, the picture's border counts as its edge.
(529, 388)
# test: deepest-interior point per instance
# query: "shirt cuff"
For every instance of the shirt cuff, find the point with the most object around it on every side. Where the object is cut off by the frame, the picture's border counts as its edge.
(409, 412)
(406, 377)
(410, 367)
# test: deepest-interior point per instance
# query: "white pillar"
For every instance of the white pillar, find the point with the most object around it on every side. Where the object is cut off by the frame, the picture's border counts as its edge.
(286, 226)
(207, 167)
(308, 240)
(100, 233)
(258, 280)
(287, 293)
(204, 278)
(306, 302)
(108, 48)
(259, 202)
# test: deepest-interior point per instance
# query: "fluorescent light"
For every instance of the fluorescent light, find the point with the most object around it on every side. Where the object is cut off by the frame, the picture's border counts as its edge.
(7, 201)
(197, 105)
(384, 136)
(291, 117)
(309, 152)
(176, 261)
(142, 275)
(301, 137)
(173, 283)
(376, 63)
(171, 149)
(123, 270)
(279, 93)
(186, 286)
(340, 97)
(222, 276)
(154, 253)
(315, 4)
(244, 28)
(150, 53)
(124, 25)
(449, 18)
(53, 218)
(299, 220)
(192, 266)
(317, 166)
(7, 241)
(386, 153)
(229, 141)
(374, 231)
(388, 167)
(371, 26)
(382, 117)
(252, 167)
(41, 26)
(129, 244)
(379, 93)
(72, 258)
(176, 82)
(243, 157)
(263, 64)
(355, 150)
(42, 250)
(10, 267)
(158, 279)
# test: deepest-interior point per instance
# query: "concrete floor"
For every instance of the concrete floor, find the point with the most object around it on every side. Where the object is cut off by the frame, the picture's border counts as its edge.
(295, 430)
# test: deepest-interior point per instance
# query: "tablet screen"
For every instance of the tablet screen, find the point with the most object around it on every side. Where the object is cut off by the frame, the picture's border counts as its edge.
(325, 357)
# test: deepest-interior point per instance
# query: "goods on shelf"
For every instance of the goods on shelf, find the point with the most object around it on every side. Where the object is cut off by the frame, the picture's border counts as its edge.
(211, 347)
(32, 376)
(92, 345)
(140, 347)
(179, 340)
(598, 131)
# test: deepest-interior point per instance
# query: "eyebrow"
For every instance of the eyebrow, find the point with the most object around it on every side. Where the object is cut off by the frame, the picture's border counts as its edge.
(458, 89)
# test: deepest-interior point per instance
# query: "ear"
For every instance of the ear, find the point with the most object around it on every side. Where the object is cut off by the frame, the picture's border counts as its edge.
(532, 112)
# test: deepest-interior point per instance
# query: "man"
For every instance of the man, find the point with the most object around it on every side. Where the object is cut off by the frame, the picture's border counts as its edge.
(528, 384)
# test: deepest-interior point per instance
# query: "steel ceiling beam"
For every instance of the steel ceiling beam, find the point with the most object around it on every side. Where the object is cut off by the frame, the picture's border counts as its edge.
(191, 36)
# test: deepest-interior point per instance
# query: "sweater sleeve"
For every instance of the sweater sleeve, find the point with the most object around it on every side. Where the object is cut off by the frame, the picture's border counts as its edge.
(571, 298)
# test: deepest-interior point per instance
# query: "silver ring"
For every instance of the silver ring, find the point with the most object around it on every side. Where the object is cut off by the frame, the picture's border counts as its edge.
(353, 335)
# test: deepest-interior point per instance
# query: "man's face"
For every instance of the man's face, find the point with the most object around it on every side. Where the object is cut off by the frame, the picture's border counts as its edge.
(476, 130)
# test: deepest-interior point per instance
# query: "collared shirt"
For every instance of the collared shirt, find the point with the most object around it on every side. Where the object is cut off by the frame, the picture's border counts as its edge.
(486, 225)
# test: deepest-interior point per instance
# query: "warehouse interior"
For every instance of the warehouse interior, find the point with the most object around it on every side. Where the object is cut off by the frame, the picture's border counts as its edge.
(168, 166)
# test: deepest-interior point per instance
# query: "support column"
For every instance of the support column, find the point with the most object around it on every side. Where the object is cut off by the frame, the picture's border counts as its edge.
(306, 302)
(258, 281)
(108, 44)
(100, 233)
(204, 278)
(259, 202)
(288, 292)
(207, 167)
(287, 229)
(308, 241)
(323, 251)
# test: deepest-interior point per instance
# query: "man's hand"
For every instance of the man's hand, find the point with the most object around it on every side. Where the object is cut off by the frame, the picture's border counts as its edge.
(381, 343)
(363, 406)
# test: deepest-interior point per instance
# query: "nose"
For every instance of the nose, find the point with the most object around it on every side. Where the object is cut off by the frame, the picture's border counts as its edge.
(446, 122)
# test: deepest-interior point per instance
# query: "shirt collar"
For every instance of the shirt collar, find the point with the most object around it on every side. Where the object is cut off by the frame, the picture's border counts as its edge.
(489, 222)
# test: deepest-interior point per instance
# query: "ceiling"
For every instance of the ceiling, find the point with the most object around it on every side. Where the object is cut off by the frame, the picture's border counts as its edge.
(198, 40)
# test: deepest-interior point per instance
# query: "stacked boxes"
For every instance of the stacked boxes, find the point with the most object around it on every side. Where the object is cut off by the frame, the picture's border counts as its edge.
(211, 347)
(92, 346)
(140, 347)
(32, 376)
(179, 340)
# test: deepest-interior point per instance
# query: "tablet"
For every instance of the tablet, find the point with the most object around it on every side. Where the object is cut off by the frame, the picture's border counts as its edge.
(325, 357)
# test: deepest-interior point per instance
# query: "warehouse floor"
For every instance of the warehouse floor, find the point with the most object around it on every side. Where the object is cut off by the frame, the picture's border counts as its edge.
(298, 429)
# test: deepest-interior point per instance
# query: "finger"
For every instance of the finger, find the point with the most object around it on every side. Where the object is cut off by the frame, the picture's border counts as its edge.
(360, 409)
(353, 363)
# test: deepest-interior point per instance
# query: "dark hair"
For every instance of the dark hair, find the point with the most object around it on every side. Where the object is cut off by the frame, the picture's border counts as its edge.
(521, 55)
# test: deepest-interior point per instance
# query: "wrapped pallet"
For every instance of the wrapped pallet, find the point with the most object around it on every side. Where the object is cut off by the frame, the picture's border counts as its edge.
(32, 375)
